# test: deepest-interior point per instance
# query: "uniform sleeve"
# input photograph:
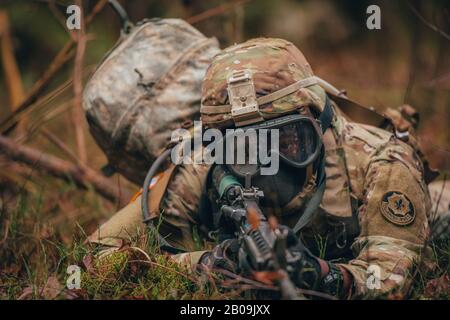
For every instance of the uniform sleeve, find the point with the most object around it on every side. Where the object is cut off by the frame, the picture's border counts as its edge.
(188, 259)
(125, 224)
(393, 230)
(179, 207)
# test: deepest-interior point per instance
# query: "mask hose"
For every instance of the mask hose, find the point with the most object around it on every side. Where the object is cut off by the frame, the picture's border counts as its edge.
(164, 245)
(126, 23)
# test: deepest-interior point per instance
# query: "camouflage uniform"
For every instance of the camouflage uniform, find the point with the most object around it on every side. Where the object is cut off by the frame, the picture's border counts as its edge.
(375, 207)
(440, 213)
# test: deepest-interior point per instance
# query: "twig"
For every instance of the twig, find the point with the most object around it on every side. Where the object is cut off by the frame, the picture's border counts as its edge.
(317, 294)
(120, 190)
(78, 88)
(248, 281)
(58, 15)
(6, 232)
(436, 81)
(215, 11)
(60, 144)
(15, 174)
(81, 175)
(428, 24)
(10, 68)
(262, 286)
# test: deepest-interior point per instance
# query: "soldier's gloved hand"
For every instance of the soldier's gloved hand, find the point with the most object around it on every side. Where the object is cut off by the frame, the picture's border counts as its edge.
(310, 272)
(305, 270)
(223, 256)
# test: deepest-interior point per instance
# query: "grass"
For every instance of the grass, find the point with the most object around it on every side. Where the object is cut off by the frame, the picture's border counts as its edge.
(43, 232)
(435, 285)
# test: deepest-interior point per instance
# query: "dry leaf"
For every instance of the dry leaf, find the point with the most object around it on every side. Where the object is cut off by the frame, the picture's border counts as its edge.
(87, 262)
(74, 294)
(49, 291)
(438, 287)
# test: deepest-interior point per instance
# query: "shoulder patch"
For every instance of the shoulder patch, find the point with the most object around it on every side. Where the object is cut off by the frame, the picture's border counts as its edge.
(397, 208)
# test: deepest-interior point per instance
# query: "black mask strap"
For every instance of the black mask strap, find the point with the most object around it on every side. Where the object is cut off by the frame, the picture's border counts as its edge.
(326, 117)
(313, 203)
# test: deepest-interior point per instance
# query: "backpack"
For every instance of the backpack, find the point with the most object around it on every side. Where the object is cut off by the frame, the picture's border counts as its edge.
(148, 85)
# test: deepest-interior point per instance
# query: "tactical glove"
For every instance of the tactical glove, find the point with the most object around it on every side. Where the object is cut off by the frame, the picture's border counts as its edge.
(306, 273)
(306, 270)
(222, 256)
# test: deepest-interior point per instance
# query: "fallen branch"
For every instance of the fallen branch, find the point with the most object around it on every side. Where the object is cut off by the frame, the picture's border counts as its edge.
(16, 174)
(82, 175)
(427, 23)
(215, 11)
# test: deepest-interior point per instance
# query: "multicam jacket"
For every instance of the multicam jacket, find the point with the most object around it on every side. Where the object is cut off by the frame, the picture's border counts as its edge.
(372, 219)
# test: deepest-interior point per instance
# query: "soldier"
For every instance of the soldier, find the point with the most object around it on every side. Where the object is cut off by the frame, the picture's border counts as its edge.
(354, 194)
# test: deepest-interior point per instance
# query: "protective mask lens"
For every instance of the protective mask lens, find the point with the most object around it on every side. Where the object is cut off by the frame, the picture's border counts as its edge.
(299, 142)
(244, 149)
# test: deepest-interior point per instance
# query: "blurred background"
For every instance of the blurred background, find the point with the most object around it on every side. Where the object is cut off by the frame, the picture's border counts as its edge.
(407, 61)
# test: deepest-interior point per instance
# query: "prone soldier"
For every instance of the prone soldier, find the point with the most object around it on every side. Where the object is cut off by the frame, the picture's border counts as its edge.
(354, 195)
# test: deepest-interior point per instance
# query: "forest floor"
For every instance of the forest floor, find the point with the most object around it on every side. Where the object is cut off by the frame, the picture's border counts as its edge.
(43, 231)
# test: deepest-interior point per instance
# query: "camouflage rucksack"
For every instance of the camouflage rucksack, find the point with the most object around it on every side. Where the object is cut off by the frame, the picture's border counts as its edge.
(148, 85)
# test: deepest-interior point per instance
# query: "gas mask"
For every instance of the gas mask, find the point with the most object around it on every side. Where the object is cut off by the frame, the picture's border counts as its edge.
(292, 142)
(278, 155)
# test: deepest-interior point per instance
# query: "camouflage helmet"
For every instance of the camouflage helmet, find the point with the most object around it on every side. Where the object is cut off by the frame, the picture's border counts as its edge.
(258, 80)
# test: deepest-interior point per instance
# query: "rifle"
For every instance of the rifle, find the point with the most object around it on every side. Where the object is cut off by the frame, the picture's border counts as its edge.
(262, 245)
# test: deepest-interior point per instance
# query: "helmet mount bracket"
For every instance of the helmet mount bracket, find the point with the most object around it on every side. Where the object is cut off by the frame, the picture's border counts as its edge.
(242, 97)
